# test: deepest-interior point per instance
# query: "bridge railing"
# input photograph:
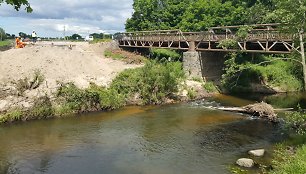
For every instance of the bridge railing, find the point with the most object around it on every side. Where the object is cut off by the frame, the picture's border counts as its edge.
(262, 32)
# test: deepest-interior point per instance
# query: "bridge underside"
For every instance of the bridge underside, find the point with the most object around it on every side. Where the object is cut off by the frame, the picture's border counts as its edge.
(259, 46)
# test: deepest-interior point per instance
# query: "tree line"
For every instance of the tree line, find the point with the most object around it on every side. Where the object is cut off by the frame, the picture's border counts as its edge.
(198, 15)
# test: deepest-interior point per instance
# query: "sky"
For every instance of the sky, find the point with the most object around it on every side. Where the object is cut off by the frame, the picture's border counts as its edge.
(49, 18)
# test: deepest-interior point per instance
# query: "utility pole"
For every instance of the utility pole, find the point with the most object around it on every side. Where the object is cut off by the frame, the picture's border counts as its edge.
(64, 32)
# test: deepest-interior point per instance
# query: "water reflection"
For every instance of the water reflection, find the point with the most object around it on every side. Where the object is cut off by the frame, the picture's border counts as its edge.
(183, 138)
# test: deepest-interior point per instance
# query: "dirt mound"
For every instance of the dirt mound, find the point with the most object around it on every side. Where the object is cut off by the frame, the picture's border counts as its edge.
(77, 62)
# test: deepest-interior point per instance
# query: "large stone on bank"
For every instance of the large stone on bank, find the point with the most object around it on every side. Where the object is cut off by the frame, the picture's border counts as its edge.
(245, 162)
(258, 152)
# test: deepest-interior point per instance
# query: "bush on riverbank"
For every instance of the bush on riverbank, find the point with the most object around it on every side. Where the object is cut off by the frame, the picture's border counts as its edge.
(92, 99)
(154, 82)
(241, 71)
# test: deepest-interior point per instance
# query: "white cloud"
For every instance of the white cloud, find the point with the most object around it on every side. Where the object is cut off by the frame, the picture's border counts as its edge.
(80, 16)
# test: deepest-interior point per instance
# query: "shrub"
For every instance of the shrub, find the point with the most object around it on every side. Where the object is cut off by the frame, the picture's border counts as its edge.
(153, 82)
(241, 71)
(42, 108)
(92, 99)
(165, 55)
(296, 120)
(210, 87)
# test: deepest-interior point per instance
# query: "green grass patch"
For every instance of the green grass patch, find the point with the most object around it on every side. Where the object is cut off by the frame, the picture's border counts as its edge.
(5, 43)
(290, 161)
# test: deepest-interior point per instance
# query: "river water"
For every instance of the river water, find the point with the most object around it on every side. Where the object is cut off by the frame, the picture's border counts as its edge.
(171, 139)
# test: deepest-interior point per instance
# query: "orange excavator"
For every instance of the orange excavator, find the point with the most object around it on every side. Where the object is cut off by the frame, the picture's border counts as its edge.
(19, 43)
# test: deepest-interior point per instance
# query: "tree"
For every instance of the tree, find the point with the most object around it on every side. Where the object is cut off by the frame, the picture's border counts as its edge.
(2, 34)
(292, 14)
(76, 37)
(18, 3)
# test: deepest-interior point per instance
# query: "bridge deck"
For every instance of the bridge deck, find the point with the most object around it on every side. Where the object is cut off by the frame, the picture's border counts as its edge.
(263, 38)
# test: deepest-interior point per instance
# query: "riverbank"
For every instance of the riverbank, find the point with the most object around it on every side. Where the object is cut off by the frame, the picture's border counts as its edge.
(55, 80)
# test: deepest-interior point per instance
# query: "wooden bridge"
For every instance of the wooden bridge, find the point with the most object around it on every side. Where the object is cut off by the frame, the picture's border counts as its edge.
(262, 38)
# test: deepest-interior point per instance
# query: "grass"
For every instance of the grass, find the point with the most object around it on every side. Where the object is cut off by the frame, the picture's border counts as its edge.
(5, 43)
(110, 54)
(288, 162)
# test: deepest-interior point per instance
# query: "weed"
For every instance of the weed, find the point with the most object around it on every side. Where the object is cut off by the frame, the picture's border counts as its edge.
(191, 93)
(210, 87)
(14, 115)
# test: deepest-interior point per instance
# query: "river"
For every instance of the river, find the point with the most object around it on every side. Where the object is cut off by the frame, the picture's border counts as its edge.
(170, 139)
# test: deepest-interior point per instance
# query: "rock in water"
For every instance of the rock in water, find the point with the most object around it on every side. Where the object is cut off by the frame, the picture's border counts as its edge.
(245, 162)
(258, 152)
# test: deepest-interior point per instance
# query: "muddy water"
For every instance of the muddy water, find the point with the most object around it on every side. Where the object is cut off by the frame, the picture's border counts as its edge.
(178, 139)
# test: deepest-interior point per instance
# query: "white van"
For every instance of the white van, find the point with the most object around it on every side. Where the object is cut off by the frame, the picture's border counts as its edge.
(89, 38)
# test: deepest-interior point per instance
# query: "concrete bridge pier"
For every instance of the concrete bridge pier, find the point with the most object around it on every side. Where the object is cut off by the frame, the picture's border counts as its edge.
(205, 65)
(192, 64)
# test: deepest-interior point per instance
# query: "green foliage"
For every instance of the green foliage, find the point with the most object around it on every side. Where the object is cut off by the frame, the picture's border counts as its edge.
(153, 82)
(108, 98)
(191, 93)
(228, 44)
(92, 99)
(280, 74)
(288, 161)
(41, 109)
(241, 71)
(196, 15)
(5, 43)
(18, 3)
(296, 120)
(2, 35)
(165, 54)
(210, 87)
(14, 115)
(243, 32)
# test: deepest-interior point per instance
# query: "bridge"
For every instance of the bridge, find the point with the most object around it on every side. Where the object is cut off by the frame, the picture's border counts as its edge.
(204, 52)
(262, 38)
